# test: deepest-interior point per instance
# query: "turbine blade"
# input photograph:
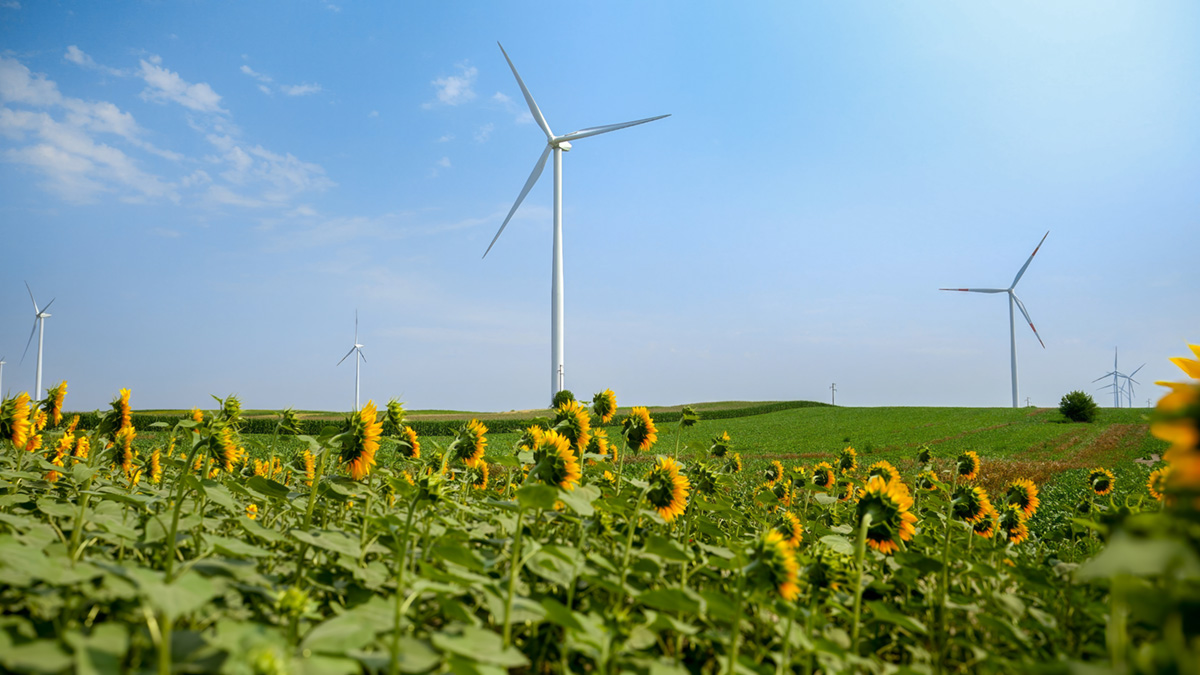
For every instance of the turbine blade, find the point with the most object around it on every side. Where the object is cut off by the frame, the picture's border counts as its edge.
(35, 307)
(976, 290)
(595, 131)
(1135, 372)
(1102, 377)
(27, 342)
(1026, 265)
(346, 356)
(533, 108)
(362, 355)
(533, 177)
(1021, 306)
(48, 305)
(356, 326)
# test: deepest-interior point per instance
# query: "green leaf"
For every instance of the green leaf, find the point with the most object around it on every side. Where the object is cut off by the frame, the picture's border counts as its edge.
(268, 487)
(82, 473)
(483, 646)
(667, 549)
(221, 496)
(186, 594)
(672, 600)
(39, 656)
(100, 652)
(884, 612)
(236, 547)
(330, 540)
(557, 613)
(537, 496)
(1140, 557)
(580, 499)
(719, 606)
(838, 544)
(339, 634)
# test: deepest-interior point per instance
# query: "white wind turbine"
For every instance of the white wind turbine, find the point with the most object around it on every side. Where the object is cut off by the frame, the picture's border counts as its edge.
(357, 360)
(1129, 382)
(1012, 300)
(2, 377)
(1116, 385)
(39, 325)
(557, 144)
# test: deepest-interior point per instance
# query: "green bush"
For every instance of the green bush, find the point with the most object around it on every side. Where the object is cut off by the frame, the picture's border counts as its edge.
(1078, 407)
(561, 398)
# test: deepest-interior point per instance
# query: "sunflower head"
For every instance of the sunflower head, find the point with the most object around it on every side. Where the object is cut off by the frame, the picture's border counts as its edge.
(668, 491)
(823, 475)
(1157, 484)
(773, 472)
(773, 564)
(14, 419)
(1024, 494)
(230, 411)
(598, 444)
(1011, 522)
(604, 405)
(845, 488)
(970, 503)
(121, 407)
(640, 432)
(226, 451)
(885, 470)
(888, 504)
(924, 455)
(361, 442)
(720, 444)
(310, 466)
(789, 526)
(197, 416)
(54, 402)
(394, 418)
(124, 448)
(409, 445)
(1101, 481)
(572, 421)
(704, 478)
(252, 511)
(155, 466)
(986, 526)
(289, 422)
(469, 442)
(927, 480)
(799, 476)
(967, 465)
(477, 475)
(555, 462)
(733, 462)
(828, 569)
(82, 447)
(847, 461)
(688, 417)
(73, 425)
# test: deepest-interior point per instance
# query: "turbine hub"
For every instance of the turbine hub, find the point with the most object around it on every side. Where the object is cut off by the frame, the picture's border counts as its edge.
(565, 146)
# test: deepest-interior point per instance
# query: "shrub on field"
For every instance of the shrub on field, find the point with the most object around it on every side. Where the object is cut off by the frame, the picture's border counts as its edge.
(561, 398)
(1078, 407)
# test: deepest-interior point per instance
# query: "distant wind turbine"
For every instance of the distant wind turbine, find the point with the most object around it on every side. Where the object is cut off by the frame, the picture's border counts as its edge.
(39, 325)
(1, 377)
(1119, 387)
(1012, 300)
(1129, 382)
(356, 348)
(557, 144)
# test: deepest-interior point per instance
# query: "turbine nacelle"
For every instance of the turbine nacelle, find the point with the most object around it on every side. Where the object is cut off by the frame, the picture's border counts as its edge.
(565, 146)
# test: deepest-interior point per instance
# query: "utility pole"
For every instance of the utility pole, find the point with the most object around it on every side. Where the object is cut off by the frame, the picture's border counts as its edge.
(1026, 401)
(833, 393)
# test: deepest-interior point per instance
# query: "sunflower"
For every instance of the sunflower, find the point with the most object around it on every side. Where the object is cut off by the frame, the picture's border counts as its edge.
(39, 420)
(986, 526)
(478, 474)
(55, 397)
(970, 503)
(968, 465)
(121, 406)
(598, 444)
(310, 467)
(823, 475)
(639, 430)
(845, 490)
(720, 444)
(358, 450)
(14, 419)
(1190, 367)
(888, 503)
(884, 470)
(53, 476)
(1158, 482)
(927, 480)
(775, 562)
(773, 473)
(125, 438)
(197, 416)
(34, 443)
(409, 445)
(1101, 481)
(571, 420)
(789, 526)
(733, 463)
(1012, 523)
(252, 511)
(924, 456)
(608, 479)
(800, 477)
(828, 569)
(554, 461)
(703, 478)
(227, 452)
(156, 465)
(1024, 494)
(82, 448)
(395, 416)
(604, 405)
(668, 491)
(847, 460)
(469, 442)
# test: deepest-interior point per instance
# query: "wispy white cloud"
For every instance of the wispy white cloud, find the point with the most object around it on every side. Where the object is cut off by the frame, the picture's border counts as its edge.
(10, 4)
(165, 85)
(520, 113)
(278, 178)
(455, 89)
(373, 113)
(446, 138)
(268, 86)
(443, 163)
(77, 56)
(484, 132)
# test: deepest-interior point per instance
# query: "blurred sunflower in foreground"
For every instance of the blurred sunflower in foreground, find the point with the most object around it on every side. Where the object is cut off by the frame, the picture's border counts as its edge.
(1176, 420)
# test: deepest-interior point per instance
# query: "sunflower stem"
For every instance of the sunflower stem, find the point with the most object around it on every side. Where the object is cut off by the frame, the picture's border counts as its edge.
(785, 663)
(512, 579)
(633, 519)
(401, 566)
(860, 554)
(736, 638)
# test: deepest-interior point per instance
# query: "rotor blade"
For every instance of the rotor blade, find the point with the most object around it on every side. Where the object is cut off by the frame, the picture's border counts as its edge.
(35, 307)
(48, 305)
(976, 290)
(1021, 306)
(346, 356)
(1026, 265)
(1135, 372)
(362, 355)
(27, 342)
(1102, 377)
(356, 326)
(537, 114)
(595, 131)
(533, 177)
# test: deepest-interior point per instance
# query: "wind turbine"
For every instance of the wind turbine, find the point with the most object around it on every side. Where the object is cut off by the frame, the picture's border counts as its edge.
(557, 145)
(2, 377)
(39, 325)
(1012, 300)
(1116, 385)
(356, 348)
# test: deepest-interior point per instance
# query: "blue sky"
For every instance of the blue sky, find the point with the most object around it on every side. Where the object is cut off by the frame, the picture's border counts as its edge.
(211, 189)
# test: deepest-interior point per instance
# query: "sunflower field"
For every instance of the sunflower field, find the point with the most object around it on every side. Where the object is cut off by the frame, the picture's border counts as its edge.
(581, 545)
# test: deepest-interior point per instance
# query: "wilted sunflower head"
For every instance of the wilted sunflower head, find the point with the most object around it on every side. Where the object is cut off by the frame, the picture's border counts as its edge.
(555, 462)
(773, 564)
(572, 421)
(395, 416)
(968, 465)
(604, 405)
(789, 526)
(289, 422)
(1024, 494)
(668, 491)
(847, 460)
(409, 445)
(924, 455)
(704, 478)
(54, 401)
(688, 417)
(970, 503)
(640, 432)
(721, 443)
(885, 470)
(1157, 484)
(469, 442)
(823, 475)
(888, 504)
(1101, 481)
(230, 410)
(14, 419)
(362, 441)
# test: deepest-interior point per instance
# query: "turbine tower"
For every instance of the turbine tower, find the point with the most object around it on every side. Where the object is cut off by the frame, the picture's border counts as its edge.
(1116, 385)
(357, 360)
(1012, 324)
(2, 377)
(1129, 382)
(39, 325)
(557, 145)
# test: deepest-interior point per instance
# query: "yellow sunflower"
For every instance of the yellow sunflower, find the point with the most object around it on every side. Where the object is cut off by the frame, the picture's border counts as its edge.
(555, 462)
(55, 396)
(358, 450)
(227, 452)
(598, 444)
(34, 443)
(252, 511)
(774, 472)
(82, 447)
(469, 442)
(970, 503)
(733, 462)
(1024, 494)
(668, 491)
(888, 503)
(478, 474)
(775, 562)
(1012, 523)
(885, 470)
(74, 424)
(800, 477)
(927, 480)
(604, 405)
(789, 526)
(121, 406)
(572, 421)
(639, 429)
(125, 438)
(823, 475)
(847, 461)
(310, 467)
(39, 420)
(156, 465)
(986, 526)
(721, 443)
(1191, 367)
(14, 419)
(197, 416)
(968, 465)
(1101, 481)
(1157, 485)
(410, 445)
